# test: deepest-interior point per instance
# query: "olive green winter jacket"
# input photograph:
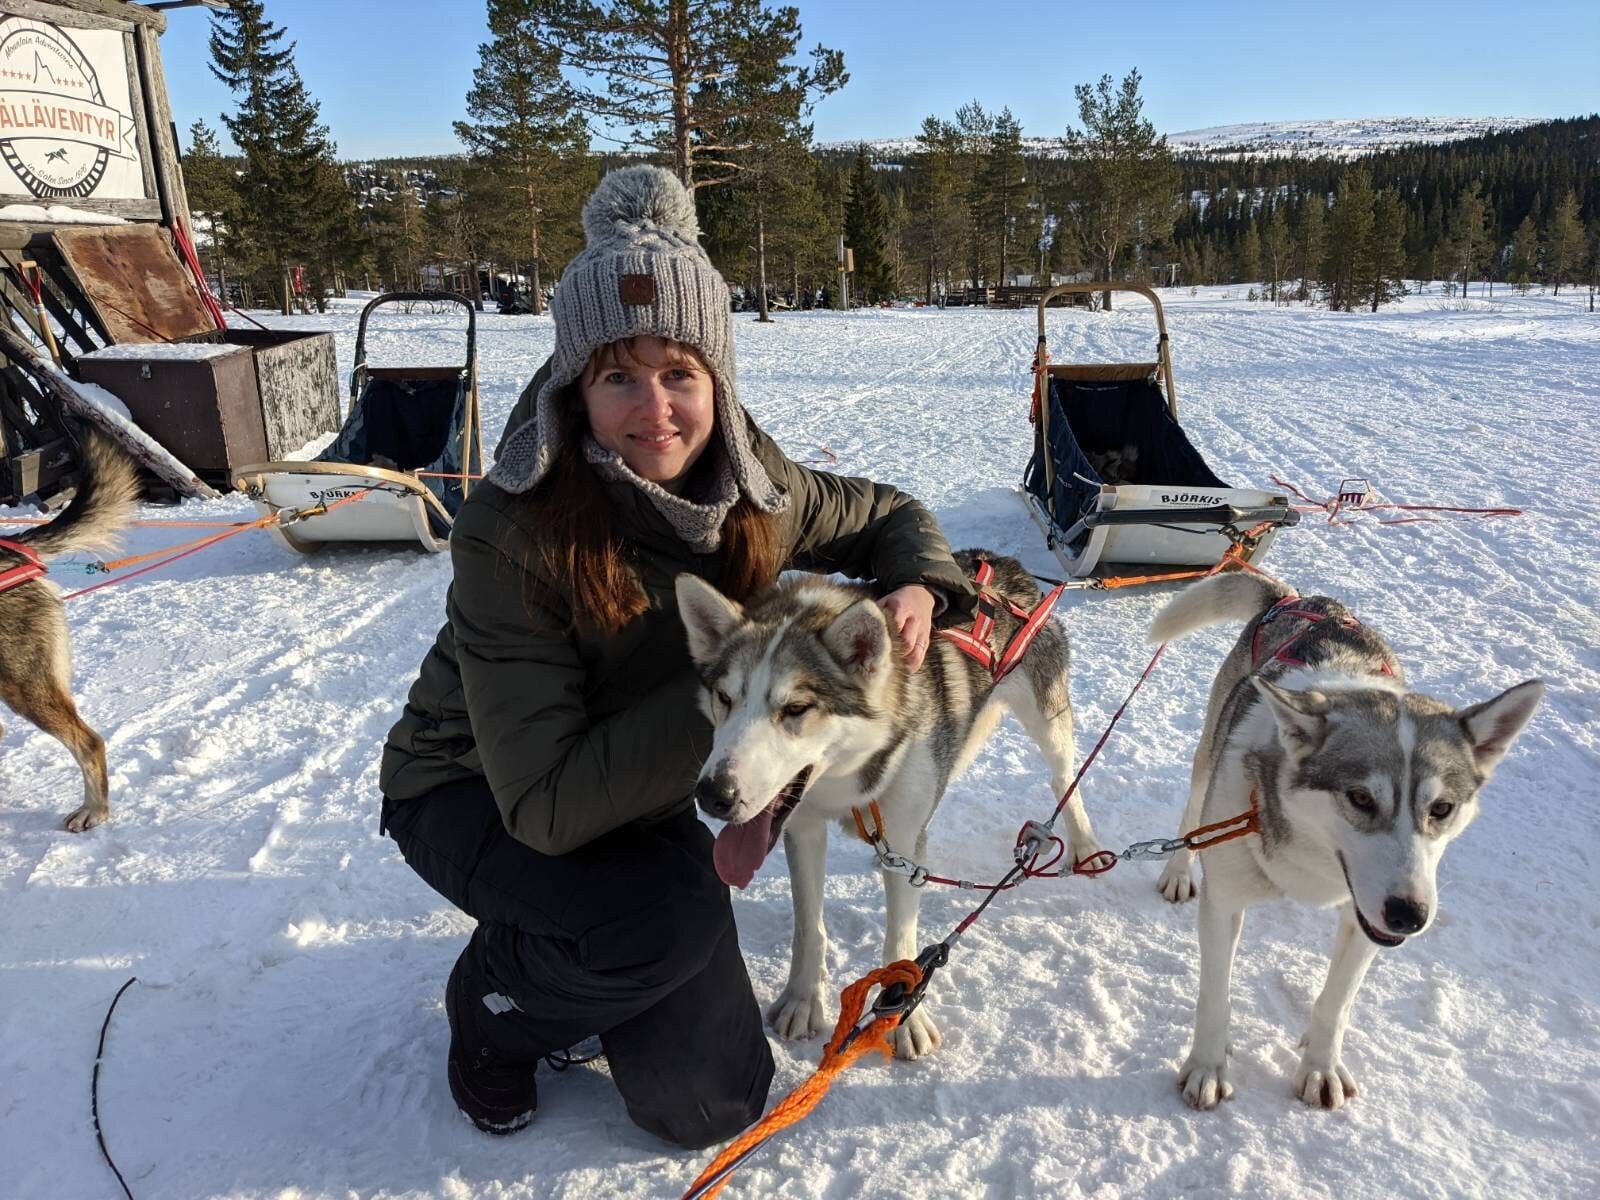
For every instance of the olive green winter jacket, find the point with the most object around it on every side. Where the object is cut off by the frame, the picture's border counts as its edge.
(578, 734)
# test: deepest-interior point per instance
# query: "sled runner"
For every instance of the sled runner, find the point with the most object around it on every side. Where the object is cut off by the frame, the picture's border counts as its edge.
(410, 449)
(1114, 483)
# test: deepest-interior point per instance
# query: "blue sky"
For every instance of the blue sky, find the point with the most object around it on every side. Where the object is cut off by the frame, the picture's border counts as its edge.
(391, 75)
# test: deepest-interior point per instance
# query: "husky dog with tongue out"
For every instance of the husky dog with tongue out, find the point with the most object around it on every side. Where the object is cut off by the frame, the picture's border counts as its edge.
(816, 714)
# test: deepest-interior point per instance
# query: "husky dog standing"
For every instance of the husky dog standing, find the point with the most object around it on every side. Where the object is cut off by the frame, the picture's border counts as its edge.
(1359, 784)
(816, 714)
(35, 653)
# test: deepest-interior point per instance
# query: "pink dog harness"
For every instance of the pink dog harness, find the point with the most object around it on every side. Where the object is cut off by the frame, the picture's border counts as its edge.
(31, 568)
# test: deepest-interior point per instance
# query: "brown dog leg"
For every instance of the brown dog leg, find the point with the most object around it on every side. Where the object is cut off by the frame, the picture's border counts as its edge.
(50, 707)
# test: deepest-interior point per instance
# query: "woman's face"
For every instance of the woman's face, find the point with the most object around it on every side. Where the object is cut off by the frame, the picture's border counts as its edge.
(653, 406)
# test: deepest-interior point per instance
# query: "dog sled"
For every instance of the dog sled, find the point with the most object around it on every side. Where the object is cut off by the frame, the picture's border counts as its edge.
(1118, 489)
(403, 461)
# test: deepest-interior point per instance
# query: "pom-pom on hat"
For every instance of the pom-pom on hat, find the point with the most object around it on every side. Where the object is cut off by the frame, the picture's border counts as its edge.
(642, 272)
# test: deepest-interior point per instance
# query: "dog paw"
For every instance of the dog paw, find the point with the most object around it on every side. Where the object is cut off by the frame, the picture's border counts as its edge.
(1204, 1084)
(798, 1015)
(85, 818)
(1177, 880)
(1324, 1084)
(917, 1036)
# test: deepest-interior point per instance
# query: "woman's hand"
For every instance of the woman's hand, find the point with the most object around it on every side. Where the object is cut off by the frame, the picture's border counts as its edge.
(910, 613)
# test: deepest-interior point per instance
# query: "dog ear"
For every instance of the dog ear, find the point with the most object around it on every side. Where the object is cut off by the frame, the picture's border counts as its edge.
(708, 616)
(1302, 716)
(1492, 726)
(858, 638)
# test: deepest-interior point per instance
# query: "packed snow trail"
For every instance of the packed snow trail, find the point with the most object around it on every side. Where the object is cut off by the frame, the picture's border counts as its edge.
(286, 1038)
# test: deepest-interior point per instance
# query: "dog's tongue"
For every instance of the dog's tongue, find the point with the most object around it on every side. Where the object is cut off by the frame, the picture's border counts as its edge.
(740, 849)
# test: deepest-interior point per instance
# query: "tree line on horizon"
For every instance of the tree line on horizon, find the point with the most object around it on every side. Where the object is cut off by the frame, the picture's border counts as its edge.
(718, 92)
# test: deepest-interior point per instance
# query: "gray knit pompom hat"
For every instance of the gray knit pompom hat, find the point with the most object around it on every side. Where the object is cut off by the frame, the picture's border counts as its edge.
(642, 272)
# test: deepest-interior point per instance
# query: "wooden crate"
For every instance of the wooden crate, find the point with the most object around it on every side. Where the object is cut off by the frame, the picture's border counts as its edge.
(199, 400)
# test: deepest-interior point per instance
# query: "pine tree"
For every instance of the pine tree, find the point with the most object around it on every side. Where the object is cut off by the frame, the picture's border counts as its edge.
(1311, 244)
(398, 233)
(287, 194)
(975, 131)
(641, 64)
(1470, 237)
(209, 179)
(866, 232)
(935, 229)
(1593, 237)
(1276, 248)
(336, 244)
(1386, 255)
(1346, 263)
(1004, 184)
(1563, 242)
(1524, 261)
(523, 129)
(1124, 174)
(1247, 256)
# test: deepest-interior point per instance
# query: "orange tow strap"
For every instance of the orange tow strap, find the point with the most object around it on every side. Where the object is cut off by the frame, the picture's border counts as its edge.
(183, 550)
(797, 1105)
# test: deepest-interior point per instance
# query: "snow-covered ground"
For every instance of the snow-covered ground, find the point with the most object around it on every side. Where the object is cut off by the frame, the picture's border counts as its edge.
(286, 1037)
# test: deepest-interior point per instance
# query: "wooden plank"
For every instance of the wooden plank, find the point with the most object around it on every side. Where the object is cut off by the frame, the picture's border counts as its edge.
(298, 379)
(132, 280)
(140, 117)
(169, 176)
(88, 14)
(128, 210)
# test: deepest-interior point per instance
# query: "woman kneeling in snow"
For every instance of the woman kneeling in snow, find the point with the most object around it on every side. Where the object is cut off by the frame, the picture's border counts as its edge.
(542, 773)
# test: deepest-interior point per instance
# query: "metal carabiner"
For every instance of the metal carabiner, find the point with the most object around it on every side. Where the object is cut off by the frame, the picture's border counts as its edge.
(1153, 850)
(1032, 838)
(899, 999)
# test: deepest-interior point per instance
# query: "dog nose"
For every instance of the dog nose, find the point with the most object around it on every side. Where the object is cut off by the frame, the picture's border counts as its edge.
(1404, 916)
(716, 795)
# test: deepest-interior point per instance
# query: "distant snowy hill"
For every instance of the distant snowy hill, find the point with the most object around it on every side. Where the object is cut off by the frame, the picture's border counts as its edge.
(1342, 138)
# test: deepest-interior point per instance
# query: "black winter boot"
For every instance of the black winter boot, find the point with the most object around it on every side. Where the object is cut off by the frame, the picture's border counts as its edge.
(497, 1096)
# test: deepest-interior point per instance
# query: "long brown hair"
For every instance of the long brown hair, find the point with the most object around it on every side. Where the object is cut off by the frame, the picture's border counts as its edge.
(576, 537)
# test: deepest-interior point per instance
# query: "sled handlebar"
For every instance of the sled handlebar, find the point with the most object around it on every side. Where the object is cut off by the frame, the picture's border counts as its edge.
(1163, 356)
(412, 298)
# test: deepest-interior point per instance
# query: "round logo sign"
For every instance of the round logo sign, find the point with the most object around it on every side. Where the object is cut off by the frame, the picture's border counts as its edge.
(57, 133)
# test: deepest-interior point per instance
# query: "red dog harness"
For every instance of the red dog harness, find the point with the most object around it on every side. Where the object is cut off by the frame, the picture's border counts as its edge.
(31, 568)
(1285, 608)
(975, 642)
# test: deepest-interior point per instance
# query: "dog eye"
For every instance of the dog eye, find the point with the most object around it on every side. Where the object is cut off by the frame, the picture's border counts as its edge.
(724, 699)
(1361, 800)
(1440, 809)
(797, 709)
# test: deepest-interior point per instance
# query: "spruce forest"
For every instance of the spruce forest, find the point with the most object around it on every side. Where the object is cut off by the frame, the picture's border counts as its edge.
(967, 212)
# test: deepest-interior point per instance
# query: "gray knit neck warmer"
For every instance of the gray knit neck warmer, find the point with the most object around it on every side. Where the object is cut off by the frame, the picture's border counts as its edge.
(642, 272)
(697, 522)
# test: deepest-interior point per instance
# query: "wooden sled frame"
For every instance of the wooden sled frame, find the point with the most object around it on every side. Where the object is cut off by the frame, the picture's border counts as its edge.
(324, 483)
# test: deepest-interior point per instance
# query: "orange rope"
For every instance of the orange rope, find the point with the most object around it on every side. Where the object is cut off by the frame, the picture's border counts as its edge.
(134, 560)
(173, 553)
(797, 1105)
(155, 524)
(1234, 556)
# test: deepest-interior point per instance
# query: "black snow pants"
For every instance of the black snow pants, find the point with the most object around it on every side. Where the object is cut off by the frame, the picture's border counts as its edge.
(630, 937)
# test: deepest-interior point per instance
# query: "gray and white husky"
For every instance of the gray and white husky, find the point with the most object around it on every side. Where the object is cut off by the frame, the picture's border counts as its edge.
(816, 714)
(1359, 782)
